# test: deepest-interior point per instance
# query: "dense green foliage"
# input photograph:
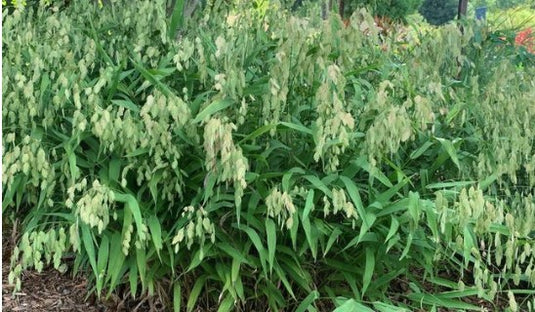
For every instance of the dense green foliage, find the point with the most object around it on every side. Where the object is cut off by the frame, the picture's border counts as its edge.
(265, 160)
(438, 12)
(506, 4)
(393, 9)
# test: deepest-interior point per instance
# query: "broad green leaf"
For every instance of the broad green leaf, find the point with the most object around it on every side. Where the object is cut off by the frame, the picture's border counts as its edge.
(162, 72)
(274, 145)
(297, 127)
(116, 261)
(417, 153)
(102, 262)
(332, 238)
(271, 232)
(293, 230)
(454, 111)
(258, 87)
(195, 292)
(446, 185)
(114, 84)
(385, 197)
(274, 297)
(414, 207)
(394, 225)
(431, 218)
(468, 244)
(156, 233)
(99, 47)
(257, 242)
(308, 301)
(451, 150)
(227, 304)
(138, 152)
(393, 241)
(141, 260)
(351, 170)
(87, 239)
(364, 233)
(177, 296)
(294, 270)
(352, 306)
(353, 192)
(44, 87)
(126, 104)
(176, 19)
(374, 172)
(136, 212)
(351, 280)
(74, 171)
(127, 221)
(258, 132)
(309, 233)
(443, 282)
(114, 169)
(530, 292)
(407, 247)
(383, 280)
(317, 183)
(252, 206)
(287, 177)
(370, 219)
(238, 286)
(235, 270)
(133, 207)
(368, 269)
(233, 252)
(384, 307)
(342, 266)
(282, 275)
(467, 292)
(198, 256)
(151, 79)
(209, 183)
(11, 191)
(66, 216)
(430, 299)
(214, 107)
(483, 185)
(133, 278)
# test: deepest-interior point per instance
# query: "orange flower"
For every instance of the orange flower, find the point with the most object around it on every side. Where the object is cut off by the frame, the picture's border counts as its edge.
(525, 38)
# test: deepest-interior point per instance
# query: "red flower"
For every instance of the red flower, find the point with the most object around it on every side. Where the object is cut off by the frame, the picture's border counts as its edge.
(525, 38)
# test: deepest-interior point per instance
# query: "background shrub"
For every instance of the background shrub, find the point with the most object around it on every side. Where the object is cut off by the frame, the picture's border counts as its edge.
(394, 10)
(438, 12)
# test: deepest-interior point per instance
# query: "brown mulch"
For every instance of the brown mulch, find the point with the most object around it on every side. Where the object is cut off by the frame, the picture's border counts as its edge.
(51, 290)
(46, 291)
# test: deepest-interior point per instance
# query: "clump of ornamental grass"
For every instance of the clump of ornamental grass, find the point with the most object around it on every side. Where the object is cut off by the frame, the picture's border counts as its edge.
(268, 161)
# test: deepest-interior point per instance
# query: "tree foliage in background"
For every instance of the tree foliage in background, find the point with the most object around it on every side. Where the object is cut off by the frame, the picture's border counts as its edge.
(438, 12)
(393, 9)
